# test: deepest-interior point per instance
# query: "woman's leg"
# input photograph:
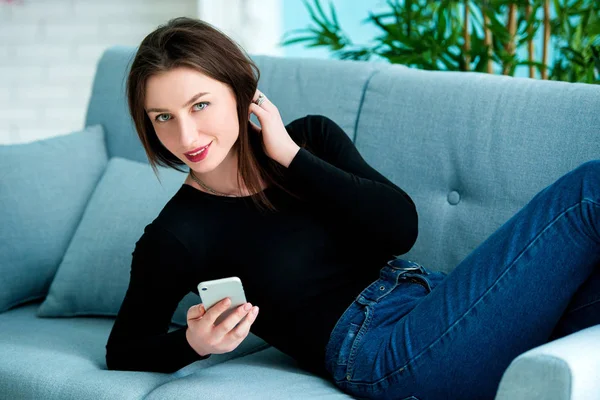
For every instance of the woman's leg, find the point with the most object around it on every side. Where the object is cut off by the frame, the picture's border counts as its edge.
(504, 298)
(583, 310)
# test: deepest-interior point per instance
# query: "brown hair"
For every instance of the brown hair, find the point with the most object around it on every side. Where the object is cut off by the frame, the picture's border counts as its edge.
(194, 43)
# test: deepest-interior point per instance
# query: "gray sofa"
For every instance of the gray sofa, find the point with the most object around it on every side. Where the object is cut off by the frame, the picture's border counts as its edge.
(470, 149)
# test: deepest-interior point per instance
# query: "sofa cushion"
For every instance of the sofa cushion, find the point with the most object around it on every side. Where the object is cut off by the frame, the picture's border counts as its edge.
(44, 188)
(267, 374)
(94, 274)
(64, 358)
(471, 149)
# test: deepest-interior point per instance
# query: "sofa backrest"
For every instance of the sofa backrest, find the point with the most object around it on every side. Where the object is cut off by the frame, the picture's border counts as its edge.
(469, 148)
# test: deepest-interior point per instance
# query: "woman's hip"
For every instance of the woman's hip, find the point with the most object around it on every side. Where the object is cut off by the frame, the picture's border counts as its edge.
(401, 285)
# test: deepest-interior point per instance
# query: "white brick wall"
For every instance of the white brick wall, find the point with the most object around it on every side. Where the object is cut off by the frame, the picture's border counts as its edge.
(49, 50)
(48, 55)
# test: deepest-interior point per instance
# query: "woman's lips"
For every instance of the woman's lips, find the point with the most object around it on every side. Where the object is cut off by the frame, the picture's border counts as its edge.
(199, 157)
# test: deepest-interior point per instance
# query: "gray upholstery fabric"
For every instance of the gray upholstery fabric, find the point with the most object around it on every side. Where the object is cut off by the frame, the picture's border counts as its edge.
(567, 368)
(471, 149)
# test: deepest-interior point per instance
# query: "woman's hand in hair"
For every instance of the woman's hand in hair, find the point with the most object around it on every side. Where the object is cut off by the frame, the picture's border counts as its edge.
(278, 144)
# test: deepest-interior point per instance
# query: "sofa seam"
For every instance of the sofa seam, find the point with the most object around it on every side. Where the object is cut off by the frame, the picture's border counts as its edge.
(254, 350)
(362, 101)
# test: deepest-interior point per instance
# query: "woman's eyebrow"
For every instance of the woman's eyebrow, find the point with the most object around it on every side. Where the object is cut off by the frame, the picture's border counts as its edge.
(189, 103)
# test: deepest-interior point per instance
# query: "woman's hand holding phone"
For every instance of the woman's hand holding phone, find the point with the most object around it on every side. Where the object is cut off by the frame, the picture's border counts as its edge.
(207, 338)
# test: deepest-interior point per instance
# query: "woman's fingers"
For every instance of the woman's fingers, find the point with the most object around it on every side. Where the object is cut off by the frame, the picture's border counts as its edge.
(256, 127)
(243, 328)
(196, 311)
(266, 104)
(256, 94)
(260, 113)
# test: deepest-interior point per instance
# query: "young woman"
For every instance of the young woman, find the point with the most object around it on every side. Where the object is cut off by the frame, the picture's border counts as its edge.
(314, 233)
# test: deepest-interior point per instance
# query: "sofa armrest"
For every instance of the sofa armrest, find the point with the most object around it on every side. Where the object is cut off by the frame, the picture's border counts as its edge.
(564, 369)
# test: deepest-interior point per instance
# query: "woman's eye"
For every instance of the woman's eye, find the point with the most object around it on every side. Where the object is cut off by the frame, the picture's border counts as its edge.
(160, 119)
(204, 102)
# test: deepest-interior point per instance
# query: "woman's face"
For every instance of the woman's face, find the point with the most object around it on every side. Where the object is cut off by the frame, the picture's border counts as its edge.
(185, 119)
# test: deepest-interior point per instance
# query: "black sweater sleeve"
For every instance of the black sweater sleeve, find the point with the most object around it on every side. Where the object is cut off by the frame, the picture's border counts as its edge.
(338, 178)
(158, 281)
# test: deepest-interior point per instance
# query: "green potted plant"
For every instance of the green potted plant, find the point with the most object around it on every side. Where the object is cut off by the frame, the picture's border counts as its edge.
(461, 35)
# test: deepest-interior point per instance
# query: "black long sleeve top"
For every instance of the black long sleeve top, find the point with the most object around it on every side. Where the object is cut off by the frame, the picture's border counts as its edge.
(303, 265)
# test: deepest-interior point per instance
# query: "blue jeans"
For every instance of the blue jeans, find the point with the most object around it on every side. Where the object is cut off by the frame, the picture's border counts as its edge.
(416, 333)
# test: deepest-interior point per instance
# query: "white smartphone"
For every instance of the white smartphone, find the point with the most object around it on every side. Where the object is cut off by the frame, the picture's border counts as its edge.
(211, 292)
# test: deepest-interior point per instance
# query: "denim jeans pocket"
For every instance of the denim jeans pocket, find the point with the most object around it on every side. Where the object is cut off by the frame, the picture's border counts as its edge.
(357, 329)
(347, 344)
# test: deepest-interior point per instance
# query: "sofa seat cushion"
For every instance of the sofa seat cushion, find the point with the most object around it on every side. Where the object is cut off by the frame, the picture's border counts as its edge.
(64, 358)
(264, 375)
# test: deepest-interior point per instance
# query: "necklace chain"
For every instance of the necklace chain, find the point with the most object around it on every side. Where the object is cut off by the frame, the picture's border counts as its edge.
(199, 182)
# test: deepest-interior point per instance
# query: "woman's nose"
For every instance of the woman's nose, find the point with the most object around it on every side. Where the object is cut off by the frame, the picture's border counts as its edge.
(187, 132)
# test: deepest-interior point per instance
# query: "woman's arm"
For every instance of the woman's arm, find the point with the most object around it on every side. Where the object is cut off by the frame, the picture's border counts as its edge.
(337, 178)
(159, 280)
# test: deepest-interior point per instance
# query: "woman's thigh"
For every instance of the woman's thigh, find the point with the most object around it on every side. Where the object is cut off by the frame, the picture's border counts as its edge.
(402, 284)
(584, 309)
(504, 298)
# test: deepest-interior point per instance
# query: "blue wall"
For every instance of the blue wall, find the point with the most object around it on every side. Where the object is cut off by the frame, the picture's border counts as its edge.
(349, 14)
